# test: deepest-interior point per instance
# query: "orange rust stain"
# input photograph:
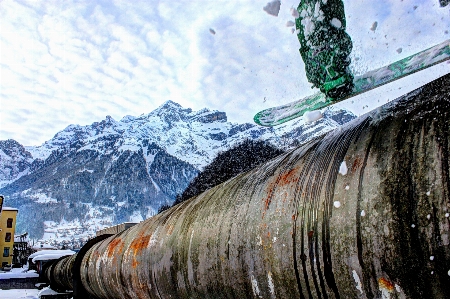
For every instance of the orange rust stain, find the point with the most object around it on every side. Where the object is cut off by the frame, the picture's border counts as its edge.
(288, 177)
(115, 244)
(385, 284)
(268, 234)
(285, 179)
(140, 243)
(137, 246)
(356, 164)
(170, 230)
(134, 263)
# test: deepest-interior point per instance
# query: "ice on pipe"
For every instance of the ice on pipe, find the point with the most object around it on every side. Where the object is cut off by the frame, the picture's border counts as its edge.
(290, 24)
(336, 23)
(294, 13)
(343, 168)
(312, 116)
(273, 8)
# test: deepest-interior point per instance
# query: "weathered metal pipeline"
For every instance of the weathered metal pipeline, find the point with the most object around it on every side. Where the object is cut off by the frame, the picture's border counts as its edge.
(60, 273)
(361, 212)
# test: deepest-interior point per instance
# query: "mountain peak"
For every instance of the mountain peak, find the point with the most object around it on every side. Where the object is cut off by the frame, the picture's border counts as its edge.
(169, 105)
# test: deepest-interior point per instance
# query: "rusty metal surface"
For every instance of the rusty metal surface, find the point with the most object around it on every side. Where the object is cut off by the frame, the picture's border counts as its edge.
(60, 273)
(303, 225)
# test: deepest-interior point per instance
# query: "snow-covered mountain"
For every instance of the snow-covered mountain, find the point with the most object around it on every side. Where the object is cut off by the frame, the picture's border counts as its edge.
(15, 161)
(114, 171)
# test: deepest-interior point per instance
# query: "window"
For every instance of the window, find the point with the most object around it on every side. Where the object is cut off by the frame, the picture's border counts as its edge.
(9, 223)
(6, 252)
(8, 237)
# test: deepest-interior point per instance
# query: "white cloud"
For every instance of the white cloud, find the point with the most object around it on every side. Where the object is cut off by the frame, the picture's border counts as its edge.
(75, 63)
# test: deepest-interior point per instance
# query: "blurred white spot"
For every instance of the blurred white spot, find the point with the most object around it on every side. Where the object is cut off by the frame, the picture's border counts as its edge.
(255, 286)
(431, 258)
(413, 225)
(397, 288)
(363, 213)
(374, 26)
(273, 8)
(343, 168)
(447, 214)
(347, 187)
(260, 241)
(432, 272)
(290, 24)
(336, 23)
(312, 116)
(428, 193)
(448, 272)
(270, 282)
(358, 281)
(428, 216)
(294, 12)
(337, 204)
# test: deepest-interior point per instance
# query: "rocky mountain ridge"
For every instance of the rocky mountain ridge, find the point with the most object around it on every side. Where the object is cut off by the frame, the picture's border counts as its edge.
(114, 171)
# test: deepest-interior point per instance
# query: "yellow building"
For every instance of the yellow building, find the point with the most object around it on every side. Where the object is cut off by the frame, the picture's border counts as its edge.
(7, 228)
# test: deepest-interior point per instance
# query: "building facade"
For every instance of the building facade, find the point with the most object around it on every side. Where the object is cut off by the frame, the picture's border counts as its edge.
(7, 229)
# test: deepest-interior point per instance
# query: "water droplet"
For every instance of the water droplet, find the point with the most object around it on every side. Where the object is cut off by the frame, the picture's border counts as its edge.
(337, 204)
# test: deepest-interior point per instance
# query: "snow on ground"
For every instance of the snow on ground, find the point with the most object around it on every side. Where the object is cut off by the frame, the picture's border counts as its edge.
(18, 273)
(77, 232)
(19, 294)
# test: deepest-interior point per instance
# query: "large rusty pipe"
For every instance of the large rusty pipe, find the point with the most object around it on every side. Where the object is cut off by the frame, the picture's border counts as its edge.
(361, 212)
(61, 273)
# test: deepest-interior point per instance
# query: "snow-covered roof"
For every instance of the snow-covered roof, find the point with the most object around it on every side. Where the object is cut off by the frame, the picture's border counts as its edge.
(51, 252)
(43, 247)
(9, 209)
(47, 257)
(21, 239)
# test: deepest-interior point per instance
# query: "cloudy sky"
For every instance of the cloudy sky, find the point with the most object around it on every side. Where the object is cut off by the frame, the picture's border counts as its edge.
(74, 62)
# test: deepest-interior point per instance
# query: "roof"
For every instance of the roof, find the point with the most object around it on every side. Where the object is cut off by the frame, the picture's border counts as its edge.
(44, 252)
(47, 257)
(10, 209)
